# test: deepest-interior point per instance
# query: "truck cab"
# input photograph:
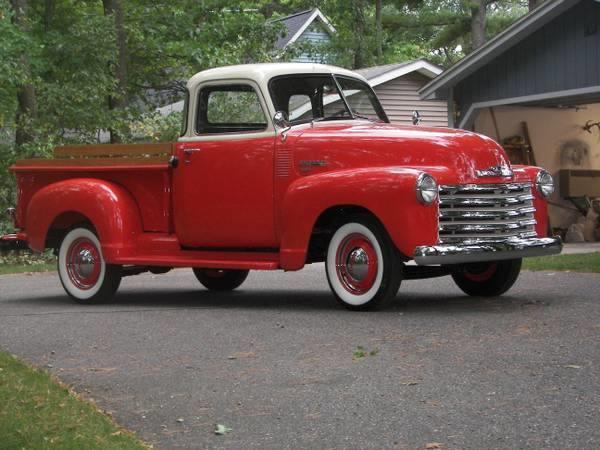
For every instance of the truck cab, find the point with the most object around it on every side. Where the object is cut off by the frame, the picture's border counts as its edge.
(279, 166)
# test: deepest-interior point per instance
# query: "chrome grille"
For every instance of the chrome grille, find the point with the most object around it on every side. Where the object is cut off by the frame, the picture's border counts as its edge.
(474, 213)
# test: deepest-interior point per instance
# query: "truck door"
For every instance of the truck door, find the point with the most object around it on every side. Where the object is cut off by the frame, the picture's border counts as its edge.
(223, 185)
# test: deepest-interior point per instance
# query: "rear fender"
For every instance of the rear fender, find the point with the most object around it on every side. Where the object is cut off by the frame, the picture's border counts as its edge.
(109, 207)
(387, 192)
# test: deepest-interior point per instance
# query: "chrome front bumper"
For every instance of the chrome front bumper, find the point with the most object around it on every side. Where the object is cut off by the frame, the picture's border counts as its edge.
(487, 251)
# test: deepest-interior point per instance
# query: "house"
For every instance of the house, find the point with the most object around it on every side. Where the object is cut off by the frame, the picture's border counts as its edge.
(308, 27)
(398, 85)
(536, 89)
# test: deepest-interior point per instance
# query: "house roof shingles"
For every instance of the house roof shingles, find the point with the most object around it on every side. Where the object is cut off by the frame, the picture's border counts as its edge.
(373, 72)
(293, 24)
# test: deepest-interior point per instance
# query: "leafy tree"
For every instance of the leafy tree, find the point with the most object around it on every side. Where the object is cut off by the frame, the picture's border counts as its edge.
(449, 29)
(72, 69)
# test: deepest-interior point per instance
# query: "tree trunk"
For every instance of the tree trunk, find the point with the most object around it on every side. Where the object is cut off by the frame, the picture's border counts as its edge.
(378, 30)
(48, 14)
(26, 98)
(478, 19)
(360, 26)
(115, 8)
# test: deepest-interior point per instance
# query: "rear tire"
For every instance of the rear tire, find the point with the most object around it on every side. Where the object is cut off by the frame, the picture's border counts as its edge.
(363, 268)
(220, 279)
(84, 274)
(487, 279)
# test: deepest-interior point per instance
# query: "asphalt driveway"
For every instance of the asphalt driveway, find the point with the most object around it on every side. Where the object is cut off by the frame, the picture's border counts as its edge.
(279, 361)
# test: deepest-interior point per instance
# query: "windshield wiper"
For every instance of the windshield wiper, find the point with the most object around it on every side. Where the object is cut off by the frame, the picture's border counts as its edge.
(360, 116)
(321, 119)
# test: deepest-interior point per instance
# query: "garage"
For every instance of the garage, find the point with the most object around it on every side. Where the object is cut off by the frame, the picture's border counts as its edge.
(535, 88)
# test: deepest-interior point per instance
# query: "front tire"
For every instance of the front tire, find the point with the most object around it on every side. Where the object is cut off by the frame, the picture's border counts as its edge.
(84, 274)
(220, 279)
(487, 279)
(363, 268)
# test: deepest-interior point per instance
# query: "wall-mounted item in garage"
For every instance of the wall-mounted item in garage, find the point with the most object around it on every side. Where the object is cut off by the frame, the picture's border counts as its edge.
(589, 125)
(574, 152)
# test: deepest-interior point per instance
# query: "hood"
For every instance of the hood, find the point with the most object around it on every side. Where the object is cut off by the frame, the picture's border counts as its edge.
(452, 156)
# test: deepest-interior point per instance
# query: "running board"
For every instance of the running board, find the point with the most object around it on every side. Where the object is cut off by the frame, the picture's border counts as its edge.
(206, 260)
(156, 249)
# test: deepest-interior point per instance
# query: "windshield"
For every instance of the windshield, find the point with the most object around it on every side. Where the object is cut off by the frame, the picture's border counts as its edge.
(305, 98)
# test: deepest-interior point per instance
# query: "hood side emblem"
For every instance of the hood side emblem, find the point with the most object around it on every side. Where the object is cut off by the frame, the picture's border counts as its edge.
(495, 171)
(313, 163)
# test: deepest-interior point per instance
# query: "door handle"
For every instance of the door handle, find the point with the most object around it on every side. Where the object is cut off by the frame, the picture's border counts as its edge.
(188, 152)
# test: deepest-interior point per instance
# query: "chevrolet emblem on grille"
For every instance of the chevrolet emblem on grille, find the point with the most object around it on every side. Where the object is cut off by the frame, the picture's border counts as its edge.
(495, 171)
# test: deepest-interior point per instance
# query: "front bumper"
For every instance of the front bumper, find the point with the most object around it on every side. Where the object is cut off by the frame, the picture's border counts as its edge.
(487, 251)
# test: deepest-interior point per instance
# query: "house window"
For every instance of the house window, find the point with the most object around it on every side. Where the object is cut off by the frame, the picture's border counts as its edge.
(233, 108)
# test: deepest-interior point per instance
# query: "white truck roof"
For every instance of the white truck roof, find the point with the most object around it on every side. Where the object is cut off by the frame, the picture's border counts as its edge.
(262, 73)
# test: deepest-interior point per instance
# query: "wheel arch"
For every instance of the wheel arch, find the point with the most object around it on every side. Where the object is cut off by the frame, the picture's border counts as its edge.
(107, 207)
(61, 225)
(326, 224)
(386, 193)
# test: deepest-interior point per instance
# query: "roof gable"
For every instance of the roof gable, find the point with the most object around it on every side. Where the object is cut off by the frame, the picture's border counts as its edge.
(382, 74)
(298, 23)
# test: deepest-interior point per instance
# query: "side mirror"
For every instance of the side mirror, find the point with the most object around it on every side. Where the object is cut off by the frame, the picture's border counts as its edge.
(416, 118)
(280, 119)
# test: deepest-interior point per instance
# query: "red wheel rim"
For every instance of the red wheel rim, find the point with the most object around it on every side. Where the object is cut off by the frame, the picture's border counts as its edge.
(483, 274)
(83, 263)
(356, 264)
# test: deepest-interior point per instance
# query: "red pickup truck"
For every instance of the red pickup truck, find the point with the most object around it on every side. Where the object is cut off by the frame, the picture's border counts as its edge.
(279, 166)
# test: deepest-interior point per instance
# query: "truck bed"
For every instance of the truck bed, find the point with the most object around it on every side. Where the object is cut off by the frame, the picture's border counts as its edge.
(142, 169)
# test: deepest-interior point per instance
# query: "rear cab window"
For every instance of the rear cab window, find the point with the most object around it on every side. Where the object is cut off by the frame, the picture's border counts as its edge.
(231, 108)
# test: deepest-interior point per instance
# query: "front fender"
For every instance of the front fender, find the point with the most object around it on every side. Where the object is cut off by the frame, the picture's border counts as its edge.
(109, 207)
(388, 192)
(524, 174)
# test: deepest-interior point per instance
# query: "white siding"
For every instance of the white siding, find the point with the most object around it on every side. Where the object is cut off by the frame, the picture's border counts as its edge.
(400, 98)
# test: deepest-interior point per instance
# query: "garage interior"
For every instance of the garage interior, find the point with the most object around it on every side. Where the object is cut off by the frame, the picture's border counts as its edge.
(565, 140)
(535, 88)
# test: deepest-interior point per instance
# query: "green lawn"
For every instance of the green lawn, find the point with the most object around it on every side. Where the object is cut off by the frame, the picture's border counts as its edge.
(20, 268)
(586, 262)
(23, 261)
(38, 412)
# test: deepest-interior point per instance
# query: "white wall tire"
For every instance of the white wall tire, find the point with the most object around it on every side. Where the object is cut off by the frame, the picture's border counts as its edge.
(363, 268)
(82, 270)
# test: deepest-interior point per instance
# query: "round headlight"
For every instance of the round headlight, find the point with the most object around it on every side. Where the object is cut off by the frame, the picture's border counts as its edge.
(544, 183)
(427, 189)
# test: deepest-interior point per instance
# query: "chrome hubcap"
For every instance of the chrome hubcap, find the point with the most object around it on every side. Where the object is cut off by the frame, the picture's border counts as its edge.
(84, 264)
(358, 264)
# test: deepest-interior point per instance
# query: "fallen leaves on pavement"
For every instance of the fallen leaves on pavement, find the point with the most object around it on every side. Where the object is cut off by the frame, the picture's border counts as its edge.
(222, 429)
